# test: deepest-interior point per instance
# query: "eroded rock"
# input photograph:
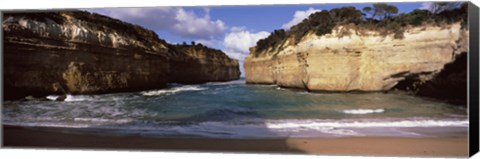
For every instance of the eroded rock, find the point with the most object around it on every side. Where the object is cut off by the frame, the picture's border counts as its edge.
(363, 62)
(77, 52)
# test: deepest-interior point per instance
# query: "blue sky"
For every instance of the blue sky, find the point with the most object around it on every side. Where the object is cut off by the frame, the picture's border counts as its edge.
(233, 29)
(270, 17)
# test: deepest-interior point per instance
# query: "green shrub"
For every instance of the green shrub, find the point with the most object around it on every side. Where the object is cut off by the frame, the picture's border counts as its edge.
(383, 18)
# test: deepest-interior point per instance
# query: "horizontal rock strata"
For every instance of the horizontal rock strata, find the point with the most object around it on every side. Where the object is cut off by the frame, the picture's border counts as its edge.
(80, 53)
(366, 61)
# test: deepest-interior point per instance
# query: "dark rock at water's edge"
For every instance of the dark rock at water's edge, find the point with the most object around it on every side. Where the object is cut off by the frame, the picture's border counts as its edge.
(449, 85)
(78, 52)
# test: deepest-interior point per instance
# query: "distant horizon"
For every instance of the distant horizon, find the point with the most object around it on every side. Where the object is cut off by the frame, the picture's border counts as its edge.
(231, 29)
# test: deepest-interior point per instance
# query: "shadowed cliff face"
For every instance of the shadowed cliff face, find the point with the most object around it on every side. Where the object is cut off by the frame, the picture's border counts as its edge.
(197, 64)
(78, 52)
(450, 84)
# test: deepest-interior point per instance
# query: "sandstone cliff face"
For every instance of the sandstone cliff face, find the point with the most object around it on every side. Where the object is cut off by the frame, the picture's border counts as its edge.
(198, 63)
(361, 60)
(78, 52)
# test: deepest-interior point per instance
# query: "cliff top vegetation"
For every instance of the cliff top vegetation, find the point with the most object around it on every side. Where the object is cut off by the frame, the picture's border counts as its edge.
(103, 23)
(198, 47)
(380, 17)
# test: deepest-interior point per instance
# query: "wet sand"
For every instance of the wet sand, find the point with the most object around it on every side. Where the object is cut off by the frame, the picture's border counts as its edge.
(445, 146)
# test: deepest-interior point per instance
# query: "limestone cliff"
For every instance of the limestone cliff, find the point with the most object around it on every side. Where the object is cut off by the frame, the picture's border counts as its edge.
(352, 57)
(197, 63)
(79, 52)
(358, 62)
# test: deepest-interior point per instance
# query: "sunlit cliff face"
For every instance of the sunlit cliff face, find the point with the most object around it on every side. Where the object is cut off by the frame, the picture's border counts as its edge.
(361, 60)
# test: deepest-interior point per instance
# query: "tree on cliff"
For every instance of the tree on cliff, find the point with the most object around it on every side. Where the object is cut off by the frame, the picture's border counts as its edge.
(381, 11)
(382, 17)
(368, 10)
(437, 7)
(275, 38)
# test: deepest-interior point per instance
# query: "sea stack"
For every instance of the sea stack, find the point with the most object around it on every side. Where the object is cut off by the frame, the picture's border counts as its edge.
(81, 53)
(339, 51)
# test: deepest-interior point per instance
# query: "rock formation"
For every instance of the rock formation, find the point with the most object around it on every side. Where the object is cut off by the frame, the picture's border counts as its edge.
(353, 57)
(449, 85)
(78, 52)
(197, 63)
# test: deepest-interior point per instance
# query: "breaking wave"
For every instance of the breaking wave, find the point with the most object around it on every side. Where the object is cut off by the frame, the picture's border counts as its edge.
(172, 90)
(365, 123)
(235, 110)
(363, 111)
(71, 98)
(257, 128)
(226, 83)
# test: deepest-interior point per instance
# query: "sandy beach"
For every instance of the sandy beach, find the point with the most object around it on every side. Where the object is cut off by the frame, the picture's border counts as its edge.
(448, 146)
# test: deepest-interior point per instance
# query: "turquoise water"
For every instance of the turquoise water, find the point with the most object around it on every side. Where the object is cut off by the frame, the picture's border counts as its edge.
(235, 110)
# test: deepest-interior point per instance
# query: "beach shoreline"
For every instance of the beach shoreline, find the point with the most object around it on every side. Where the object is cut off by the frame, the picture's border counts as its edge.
(444, 146)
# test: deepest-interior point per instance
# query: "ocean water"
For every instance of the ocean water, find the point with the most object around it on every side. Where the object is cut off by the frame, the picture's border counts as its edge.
(236, 110)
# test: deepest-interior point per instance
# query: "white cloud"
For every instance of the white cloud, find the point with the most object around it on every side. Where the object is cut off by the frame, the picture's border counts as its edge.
(240, 56)
(426, 5)
(240, 40)
(298, 17)
(238, 29)
(212, 43)
(175, 20)
(191, 25)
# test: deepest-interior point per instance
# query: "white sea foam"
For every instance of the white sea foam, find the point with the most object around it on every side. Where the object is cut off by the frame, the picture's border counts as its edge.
(49, 124)
(102, 120)
(226, 83)
(172, 90)
(363, 111)
(260, 129)
(52, 97)
(77, 98)
(75, 123)
(313, 127)
(317, 123)
(71, 98)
